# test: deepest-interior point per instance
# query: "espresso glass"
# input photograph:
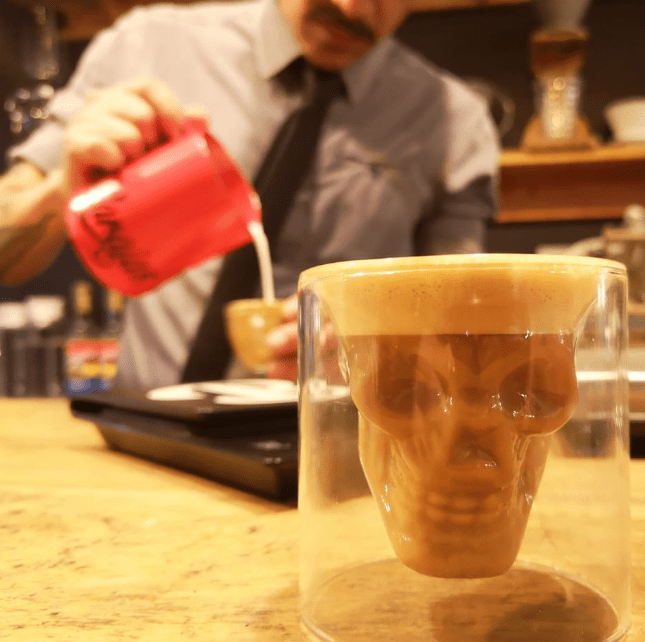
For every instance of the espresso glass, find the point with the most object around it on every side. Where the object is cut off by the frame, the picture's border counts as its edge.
(248, 323)
(464, 449)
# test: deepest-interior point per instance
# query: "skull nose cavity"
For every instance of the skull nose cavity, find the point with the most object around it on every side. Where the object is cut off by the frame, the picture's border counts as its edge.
(477, 397)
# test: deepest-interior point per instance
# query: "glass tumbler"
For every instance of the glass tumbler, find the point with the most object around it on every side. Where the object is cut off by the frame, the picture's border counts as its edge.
(558, 99)
(464, 451)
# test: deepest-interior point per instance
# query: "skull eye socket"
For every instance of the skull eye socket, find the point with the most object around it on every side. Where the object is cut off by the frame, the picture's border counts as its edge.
(404, 382)
(537, 390)
(402, 395)
(392, 385)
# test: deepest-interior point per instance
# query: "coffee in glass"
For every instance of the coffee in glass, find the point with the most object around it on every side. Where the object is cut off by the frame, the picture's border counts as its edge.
(461, 370)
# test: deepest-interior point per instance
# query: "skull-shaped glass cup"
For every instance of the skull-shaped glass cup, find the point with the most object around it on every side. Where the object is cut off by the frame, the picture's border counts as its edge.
(442, 405)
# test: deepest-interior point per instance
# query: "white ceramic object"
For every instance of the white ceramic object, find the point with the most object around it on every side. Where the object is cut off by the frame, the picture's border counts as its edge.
(562, 14)
(43, 310)
(627, 119)
(232, 392)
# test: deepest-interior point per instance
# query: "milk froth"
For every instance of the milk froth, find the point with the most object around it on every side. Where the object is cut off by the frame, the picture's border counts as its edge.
(435, 294)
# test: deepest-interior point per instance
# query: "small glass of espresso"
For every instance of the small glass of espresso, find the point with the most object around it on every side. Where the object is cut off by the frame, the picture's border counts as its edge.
(248, 322)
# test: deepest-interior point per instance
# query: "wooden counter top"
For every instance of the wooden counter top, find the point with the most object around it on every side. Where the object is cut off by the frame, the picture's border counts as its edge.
(100, 546)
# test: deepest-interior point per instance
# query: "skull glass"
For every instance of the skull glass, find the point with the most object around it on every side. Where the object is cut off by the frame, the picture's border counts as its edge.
(460, 370)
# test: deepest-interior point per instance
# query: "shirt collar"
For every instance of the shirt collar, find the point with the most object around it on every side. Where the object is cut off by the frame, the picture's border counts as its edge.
(360, 76)
(278, 46)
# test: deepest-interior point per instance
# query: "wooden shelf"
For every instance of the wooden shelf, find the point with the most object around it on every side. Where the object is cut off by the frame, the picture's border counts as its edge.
(571, 185)
(443, 5)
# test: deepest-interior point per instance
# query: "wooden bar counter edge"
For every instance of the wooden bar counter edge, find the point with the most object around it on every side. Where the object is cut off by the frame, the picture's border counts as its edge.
(97, 545)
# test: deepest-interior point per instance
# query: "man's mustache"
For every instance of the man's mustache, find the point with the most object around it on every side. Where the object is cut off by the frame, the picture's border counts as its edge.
(333, 15)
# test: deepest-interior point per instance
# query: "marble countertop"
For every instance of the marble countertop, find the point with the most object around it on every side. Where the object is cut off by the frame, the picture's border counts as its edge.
(97, 545)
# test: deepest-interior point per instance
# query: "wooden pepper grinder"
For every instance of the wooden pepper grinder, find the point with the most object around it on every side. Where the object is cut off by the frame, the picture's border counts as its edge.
(557, 58)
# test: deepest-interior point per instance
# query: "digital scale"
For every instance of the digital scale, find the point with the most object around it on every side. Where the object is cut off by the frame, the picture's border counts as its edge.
(252, 446)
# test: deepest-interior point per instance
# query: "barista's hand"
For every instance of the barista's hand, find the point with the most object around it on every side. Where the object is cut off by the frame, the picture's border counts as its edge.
(117, 125)
(283, 342)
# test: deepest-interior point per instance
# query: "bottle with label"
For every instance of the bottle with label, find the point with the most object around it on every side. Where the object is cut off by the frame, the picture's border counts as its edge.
(111, 336)
(83, 344)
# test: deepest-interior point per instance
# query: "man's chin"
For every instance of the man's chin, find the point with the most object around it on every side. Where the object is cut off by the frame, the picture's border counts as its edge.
(334, 60)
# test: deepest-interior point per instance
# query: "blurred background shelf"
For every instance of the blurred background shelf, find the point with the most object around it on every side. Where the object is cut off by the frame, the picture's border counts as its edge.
(571, 185)
(83, 18)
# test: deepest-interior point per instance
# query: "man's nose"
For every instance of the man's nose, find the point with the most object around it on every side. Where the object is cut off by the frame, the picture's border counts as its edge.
(356, 9)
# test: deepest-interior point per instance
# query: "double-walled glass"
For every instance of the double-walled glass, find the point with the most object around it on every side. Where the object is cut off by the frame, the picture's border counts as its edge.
(464, 470)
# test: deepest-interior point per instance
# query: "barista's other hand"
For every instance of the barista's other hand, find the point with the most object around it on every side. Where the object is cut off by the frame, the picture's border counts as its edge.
(283, 342)
(117, 125)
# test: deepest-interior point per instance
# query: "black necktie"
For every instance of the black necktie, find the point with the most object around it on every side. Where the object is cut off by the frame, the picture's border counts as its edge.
(276, 183)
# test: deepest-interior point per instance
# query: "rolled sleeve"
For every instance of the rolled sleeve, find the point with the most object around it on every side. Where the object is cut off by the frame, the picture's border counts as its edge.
(461, 218)
(44, 148)
(473, 142)
(467, 198)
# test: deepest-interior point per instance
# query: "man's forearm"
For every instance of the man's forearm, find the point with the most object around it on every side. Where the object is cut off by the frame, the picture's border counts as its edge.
(32, 230)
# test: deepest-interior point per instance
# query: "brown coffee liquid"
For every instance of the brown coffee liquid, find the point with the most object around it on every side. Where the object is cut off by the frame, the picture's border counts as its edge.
(452, 439)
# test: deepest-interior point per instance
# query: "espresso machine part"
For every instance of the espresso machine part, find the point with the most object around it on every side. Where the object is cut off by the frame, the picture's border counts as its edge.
(626, 244)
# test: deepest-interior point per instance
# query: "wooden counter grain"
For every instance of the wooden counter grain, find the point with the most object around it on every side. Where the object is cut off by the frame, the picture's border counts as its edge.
(101, 546)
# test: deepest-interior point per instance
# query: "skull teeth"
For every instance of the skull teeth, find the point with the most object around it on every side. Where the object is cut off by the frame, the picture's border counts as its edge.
(464, 509)
(469, 455)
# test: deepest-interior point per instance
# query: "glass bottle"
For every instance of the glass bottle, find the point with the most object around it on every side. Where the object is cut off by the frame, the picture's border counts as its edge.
(82, 347)
(111, 337)
(13, 326)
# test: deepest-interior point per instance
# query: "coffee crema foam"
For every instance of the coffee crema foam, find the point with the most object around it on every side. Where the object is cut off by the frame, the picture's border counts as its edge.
(479, 294)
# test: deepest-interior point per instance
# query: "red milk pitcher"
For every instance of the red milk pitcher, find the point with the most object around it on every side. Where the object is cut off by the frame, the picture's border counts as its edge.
(184, 202)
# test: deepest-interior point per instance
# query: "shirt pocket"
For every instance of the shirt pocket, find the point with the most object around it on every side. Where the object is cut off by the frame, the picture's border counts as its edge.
(360, 203)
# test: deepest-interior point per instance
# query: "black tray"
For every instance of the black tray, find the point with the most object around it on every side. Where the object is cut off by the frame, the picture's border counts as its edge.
(250, 447)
